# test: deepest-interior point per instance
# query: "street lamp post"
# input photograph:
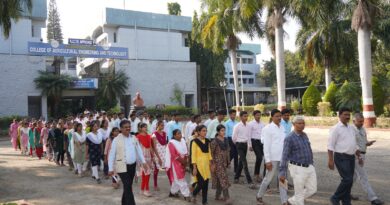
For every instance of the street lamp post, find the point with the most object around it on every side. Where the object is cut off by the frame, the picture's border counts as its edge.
(223, 86)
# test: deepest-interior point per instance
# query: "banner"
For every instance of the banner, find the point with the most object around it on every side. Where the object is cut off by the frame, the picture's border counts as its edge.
(85, 83)
(80, 41)
(86, 51)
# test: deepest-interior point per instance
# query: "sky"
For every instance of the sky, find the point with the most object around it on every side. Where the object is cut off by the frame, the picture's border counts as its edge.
(80, 17)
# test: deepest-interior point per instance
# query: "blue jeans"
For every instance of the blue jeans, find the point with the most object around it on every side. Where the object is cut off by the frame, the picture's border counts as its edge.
(345, 165)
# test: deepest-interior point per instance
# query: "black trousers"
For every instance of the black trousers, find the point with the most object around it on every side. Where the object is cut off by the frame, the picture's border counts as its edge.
(258, 149)
(202, 185)
(345, 165)
(233, 154)
(127, 180)
(60, 156)
(242, 149)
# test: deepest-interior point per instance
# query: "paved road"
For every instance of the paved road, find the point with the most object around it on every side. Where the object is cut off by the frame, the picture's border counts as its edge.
(41, 182)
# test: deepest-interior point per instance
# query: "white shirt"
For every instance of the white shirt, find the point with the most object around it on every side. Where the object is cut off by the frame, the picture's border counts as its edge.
(207, 122)
(134, 124)
(272, 137)
(241, 133)
(256, 128)
(342, 139)
(104, 133)
(187, 131)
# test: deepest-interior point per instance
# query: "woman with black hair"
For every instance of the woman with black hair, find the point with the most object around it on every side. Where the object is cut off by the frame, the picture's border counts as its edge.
(200, 160)
(79, 139)
(94, 140)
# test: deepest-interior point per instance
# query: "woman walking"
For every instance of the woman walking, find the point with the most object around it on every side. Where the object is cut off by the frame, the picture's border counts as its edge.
(177, 159)
(105, 133)
(113, 134)
(31, 138)
(220, 152)
(24, 131)
(13, 133)
(148, 151)
(160, 145)
(38, 141)
(200, 159)
(79, 144)
(51, 143)
(94, 153)
(59, 143)
(45, 135)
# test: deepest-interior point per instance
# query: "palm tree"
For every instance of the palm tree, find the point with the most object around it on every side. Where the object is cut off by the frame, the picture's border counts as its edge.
(362, 22)
(52, 86)
(112, 87)
(325, 39)
(225, 18)
(12, 10)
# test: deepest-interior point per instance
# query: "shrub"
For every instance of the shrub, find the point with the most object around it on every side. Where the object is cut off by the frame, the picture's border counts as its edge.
(324, 109)
(295, 105)
(330, 96)
(378, 96)
(116, 109)
(170, 109)
(349, 96)
(6, 121)
(310, 100)
(267, 107)
(259, 107)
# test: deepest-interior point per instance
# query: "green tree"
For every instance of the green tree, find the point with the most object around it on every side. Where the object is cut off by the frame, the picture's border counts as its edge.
(330, 95)
(54, 32)
(52, 85)
(310, 100)
(111, 88)
(211, 64)
(12, 10)
(378, 96)
(174, 9)
(224, 19)
(349, 96)
(325, 41)
(177, 95)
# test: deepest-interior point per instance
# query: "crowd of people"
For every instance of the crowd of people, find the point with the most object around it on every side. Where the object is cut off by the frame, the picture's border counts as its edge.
(122, 150)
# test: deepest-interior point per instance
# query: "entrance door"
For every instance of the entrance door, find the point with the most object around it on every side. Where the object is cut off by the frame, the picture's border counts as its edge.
(189, 100)
(34, 106)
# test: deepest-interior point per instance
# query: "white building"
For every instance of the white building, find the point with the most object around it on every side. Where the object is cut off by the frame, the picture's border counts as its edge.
(158, 55)
(18, 70)
(254, 89)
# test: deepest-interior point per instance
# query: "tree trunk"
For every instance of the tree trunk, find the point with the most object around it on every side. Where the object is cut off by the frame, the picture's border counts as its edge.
(365, 67)
(233, 60)
(280, 71)
(328, 76)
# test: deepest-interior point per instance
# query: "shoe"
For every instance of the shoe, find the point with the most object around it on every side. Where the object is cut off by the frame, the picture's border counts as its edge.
(354, 197)
(187, 199)
(252, 186)
(99, 181)
(260, 201)
(171, 195)
(377, 202)
(147, 194)
(333, 201)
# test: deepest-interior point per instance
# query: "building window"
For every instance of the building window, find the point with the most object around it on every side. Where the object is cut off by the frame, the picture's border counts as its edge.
(34, 106)
(186, 42)
(251, 81)
(32, 31)
(231, 81)
(250, 60)
(245, 80)
(114, 37)
(244, 61)
(189, 100)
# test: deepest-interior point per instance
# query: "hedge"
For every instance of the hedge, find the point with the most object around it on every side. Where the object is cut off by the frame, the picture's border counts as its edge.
(267, 107)
(170, 109)
(310, 100)
(6, 121)
(330, 96)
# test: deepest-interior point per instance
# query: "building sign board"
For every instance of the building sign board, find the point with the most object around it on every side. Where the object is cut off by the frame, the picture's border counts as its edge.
(80, 41)
(86, 51)
(85, 83)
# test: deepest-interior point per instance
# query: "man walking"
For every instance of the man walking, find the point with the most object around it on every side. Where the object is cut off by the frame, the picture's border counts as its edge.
(287, 125)
(256, 127)
(242, 140)
(273, 138)
(212, 127)
(360, 172)
(341, 151)
(125, 152)
(229, 124)
(298, 153)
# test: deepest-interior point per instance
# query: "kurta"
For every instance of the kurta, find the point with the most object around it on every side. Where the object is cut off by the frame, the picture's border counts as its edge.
(44, 135)
(31, 137)
(24, 136)
(201, 159)
(37, 138)
(221, 160)
(79, 148)
(146, 144)
(59, 140)
(179, 171)
(13, 132)
(94, 150)
(161, 146)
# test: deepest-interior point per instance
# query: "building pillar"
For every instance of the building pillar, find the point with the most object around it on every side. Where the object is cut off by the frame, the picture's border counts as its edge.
(44, 107)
